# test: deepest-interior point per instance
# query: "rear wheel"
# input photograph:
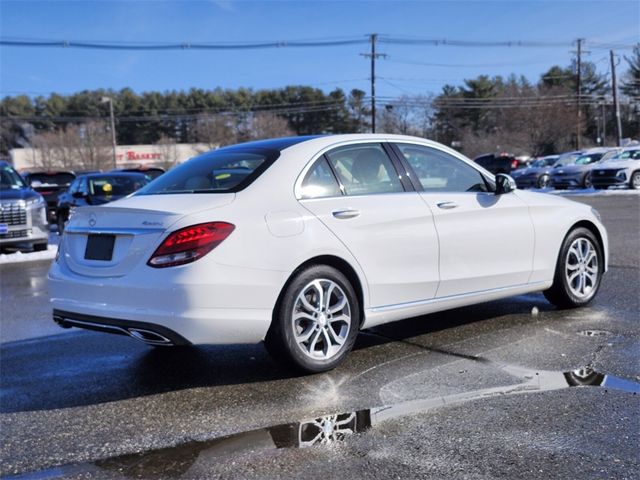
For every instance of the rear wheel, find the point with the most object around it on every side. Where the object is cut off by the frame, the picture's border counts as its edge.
(317, 321)
(578, 270)
(635, 180)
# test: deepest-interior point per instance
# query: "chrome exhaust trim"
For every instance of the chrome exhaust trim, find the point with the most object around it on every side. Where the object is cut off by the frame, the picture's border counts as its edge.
(149, 337)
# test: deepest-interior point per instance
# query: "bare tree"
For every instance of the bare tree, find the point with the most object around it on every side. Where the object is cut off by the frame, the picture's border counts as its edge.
(267, 125)
(169, 152)
(214, 131)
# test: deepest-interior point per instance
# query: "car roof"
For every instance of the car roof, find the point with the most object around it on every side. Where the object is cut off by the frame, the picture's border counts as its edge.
(112, 174)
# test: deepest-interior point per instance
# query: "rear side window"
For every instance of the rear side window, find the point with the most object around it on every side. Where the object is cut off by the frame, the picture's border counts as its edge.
(438, 171)
(364, 170)
(220, 171)
(320, 182)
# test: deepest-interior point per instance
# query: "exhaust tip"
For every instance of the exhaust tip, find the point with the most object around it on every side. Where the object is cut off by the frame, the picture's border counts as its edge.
(60, 321)
(149, 337)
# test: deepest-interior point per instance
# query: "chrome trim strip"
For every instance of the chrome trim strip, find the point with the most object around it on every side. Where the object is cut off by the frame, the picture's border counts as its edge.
(419, 303)
(112, 231)
(91, 324)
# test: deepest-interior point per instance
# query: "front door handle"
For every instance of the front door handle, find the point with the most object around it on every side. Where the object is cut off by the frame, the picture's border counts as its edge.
(344, 214)
(447, 205)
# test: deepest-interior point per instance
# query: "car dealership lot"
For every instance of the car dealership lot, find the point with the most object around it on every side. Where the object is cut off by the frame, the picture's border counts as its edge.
(86, 400)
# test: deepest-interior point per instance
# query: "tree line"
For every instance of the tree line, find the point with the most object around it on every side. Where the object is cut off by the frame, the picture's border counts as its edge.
(482, 115)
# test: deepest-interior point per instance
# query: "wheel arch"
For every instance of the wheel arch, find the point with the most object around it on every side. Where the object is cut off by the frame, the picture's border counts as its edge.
(339, 264)
(596, 232)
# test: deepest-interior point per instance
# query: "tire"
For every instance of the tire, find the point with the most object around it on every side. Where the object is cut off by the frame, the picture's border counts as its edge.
(578, 274)
(62, 218)
(302, 334)
(586, 181)
(544, 181)
(40, 247)
(634, 183)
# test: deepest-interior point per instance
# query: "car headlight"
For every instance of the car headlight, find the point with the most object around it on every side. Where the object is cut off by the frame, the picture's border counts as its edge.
(596, 214)
(35, 202)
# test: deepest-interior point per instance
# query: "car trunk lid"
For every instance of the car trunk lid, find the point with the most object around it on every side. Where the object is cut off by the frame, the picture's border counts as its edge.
(111, 240)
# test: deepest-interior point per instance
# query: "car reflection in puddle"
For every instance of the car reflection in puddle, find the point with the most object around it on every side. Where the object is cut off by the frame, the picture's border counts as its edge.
(174, 462)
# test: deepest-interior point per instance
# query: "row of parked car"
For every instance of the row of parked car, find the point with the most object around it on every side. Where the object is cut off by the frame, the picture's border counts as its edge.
(595, 167)
(29, 203)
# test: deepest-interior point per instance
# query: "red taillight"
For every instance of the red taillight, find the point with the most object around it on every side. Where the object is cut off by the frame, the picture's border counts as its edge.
(514, 164)
(189, 244)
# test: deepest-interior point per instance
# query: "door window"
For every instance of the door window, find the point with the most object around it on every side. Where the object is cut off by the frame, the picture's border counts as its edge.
(438, 171)
(320, 182)
(364, 169)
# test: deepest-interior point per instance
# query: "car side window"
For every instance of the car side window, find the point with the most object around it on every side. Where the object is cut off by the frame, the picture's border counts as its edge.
(319, 182)
(364, 169)
(438, 171)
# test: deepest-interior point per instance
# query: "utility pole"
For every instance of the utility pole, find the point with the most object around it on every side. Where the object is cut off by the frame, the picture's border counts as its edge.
(616, 103)
(113, 128)
(604, 124)
(373, 55)
(579, 92)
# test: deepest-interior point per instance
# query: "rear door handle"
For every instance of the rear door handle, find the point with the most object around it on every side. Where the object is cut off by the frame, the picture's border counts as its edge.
(344, 214)
(447, 205)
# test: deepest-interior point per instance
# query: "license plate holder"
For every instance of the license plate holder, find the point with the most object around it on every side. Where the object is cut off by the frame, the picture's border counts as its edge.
(100, 247)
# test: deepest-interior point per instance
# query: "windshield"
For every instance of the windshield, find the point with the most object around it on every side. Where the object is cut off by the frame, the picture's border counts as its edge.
(628, 155)
(544, 162)
(220, 171)
(567, 159)
(115, 186)
(10, 180)
(587, 159)
(62, 179)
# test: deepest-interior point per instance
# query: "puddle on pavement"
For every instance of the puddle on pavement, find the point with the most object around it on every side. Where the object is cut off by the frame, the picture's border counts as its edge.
(174, 462)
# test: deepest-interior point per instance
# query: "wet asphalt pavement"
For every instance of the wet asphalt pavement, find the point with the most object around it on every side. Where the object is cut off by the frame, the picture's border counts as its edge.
(474, 393)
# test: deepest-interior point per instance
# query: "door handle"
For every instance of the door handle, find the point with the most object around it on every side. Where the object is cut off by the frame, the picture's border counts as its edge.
(447, 205)
(344, 214)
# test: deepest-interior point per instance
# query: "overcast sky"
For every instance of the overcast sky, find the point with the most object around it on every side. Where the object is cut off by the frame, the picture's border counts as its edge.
(410, 69)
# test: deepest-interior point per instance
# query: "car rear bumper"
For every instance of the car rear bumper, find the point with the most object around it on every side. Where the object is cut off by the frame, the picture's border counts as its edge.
(232, 306)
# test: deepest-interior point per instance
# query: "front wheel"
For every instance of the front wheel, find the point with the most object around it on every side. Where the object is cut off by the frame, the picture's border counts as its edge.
(578, 270)
(317, 321)
(544, 181)
(586, 181)
(635, 181)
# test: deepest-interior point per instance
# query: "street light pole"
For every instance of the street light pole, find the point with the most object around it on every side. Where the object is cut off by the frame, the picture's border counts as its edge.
(113, 128)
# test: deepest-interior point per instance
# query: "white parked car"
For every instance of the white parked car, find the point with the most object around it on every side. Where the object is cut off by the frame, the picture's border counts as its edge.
(301, 242)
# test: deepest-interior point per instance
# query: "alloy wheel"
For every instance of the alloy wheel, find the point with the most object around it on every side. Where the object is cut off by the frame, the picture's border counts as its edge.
(321, 319)
(581, 268)
(635, 181)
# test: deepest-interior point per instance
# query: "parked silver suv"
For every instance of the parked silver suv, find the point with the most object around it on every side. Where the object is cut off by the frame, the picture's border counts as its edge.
(621, 170)
(23, 212)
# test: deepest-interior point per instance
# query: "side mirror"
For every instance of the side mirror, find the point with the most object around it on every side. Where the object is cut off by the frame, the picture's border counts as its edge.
(78, 195)
(504, 184)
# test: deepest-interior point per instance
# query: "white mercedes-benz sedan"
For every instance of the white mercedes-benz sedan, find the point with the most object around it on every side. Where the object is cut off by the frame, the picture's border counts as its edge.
(301, 242)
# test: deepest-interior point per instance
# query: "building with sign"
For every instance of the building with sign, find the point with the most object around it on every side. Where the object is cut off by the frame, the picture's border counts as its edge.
(166, 156)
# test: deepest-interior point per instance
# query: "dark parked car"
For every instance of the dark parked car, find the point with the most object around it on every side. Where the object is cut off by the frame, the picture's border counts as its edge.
(97, 189)
(537, 175)
(498, 163)
(151, 172)
(577, 174)
(50, 184)
(23, 212)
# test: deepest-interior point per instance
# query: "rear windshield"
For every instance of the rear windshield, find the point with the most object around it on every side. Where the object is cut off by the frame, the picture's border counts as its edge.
(62, 179)
(9, 179)
(224, 170)
(117, 186)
